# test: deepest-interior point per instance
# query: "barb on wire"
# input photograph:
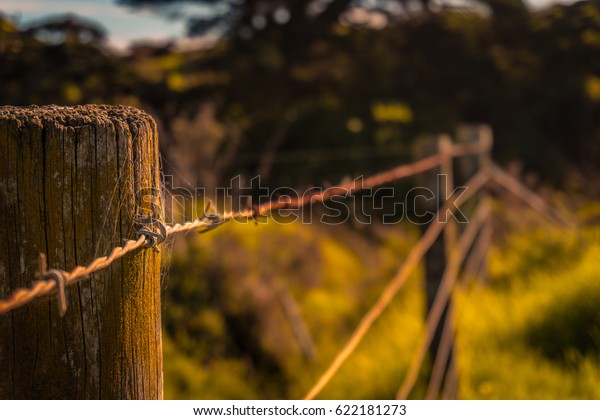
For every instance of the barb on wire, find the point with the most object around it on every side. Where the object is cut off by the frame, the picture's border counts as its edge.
(49, 280)
(59, 278)
(443, 294)
(394, 286)
(153, 238)
(212, 219)
(153, 232)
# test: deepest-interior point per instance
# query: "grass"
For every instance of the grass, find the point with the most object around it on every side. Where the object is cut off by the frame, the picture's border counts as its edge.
(533, 331)
(537, 336)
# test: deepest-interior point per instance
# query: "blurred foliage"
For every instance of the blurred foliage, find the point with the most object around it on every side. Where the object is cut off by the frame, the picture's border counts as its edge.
(546, 327)
(224, 302)
(58, 62)
(540, 319)
(328, 93)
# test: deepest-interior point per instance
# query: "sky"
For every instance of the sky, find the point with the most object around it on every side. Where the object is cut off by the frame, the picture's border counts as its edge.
(123, 25)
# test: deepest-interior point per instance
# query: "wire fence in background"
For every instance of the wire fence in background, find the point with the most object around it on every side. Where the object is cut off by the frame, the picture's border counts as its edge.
(153, 232)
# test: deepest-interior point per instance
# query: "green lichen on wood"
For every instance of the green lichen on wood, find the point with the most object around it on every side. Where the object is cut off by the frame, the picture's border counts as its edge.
(68, 185)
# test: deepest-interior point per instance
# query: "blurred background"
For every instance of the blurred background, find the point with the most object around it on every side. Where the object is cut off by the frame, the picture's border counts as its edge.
(308, 92)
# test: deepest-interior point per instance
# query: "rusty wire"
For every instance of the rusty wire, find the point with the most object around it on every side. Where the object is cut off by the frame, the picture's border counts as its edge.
(48, 280)
(153, 231)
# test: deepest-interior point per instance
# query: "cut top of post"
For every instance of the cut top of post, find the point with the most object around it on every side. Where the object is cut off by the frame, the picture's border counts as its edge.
(75, 116)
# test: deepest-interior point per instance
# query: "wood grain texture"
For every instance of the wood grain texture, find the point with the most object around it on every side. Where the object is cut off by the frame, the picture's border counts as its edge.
(72, 180)
(436, 257)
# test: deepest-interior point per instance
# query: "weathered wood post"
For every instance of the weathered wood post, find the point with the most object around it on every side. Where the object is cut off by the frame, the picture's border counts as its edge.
(445, 189)
(467, 166)
(71, 183)
(437, 256)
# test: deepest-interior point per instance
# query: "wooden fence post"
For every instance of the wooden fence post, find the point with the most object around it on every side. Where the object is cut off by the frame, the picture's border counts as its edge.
(446, 187)
(72, 180)
(437, 256)
(467, 166)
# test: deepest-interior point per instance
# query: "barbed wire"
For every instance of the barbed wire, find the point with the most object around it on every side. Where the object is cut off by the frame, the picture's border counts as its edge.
(153, 232)
(48, 280)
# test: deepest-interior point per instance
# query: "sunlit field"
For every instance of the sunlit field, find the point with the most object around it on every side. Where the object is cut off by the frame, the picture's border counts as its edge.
(530, 329)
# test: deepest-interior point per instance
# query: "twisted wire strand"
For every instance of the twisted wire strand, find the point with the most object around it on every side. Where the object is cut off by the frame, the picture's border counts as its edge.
(49, 280)
(44, 287)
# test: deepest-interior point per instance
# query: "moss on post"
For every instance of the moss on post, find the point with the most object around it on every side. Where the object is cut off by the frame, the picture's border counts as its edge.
(72, 180)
